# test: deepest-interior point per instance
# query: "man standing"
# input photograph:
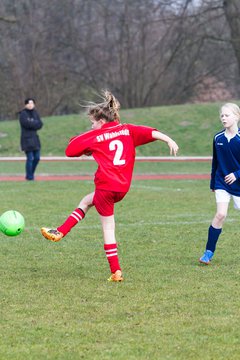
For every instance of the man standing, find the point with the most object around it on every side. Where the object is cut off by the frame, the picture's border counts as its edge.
(30, 143)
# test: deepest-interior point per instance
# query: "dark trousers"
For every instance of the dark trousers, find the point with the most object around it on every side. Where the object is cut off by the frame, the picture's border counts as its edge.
(33, 158)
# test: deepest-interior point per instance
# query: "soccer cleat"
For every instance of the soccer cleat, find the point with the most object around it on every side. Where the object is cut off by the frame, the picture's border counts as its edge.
(207, 257)
(116, 277)
(51, 234)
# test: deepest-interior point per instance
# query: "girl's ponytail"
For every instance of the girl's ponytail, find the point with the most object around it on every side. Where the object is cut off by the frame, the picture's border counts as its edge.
(108, 109)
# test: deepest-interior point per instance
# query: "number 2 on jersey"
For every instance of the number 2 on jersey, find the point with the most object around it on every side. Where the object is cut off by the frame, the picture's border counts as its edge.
(117, 145)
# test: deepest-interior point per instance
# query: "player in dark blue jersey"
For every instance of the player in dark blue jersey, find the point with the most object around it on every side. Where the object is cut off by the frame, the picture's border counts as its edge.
(225, 175)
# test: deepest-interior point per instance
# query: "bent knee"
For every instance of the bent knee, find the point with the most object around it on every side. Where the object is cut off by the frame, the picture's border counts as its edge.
(220, 216)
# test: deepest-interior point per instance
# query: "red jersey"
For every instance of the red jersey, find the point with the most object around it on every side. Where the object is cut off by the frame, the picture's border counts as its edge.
(113, 148)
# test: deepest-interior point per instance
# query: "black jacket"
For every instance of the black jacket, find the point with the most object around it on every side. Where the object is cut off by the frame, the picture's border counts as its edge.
(30, 122)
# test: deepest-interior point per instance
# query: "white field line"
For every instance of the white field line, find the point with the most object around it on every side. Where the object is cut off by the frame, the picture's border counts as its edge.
(137, 225)
(157, 188)
(90, 158)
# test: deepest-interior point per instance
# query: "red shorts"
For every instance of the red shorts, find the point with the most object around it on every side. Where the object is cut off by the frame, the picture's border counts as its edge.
(104, 201)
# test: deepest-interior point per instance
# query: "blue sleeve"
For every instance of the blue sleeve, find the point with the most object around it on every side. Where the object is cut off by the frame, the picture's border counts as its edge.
(214, 167)
(237, 174)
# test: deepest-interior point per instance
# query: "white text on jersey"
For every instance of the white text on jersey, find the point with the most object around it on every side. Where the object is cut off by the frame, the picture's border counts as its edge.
(111, 135)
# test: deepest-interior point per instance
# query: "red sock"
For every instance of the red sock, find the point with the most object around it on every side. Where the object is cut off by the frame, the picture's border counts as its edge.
(112, 256)
(76, 216)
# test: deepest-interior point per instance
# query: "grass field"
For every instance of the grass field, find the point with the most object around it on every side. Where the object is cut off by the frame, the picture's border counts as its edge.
(57, 304)
(192, 126)
(89, 167)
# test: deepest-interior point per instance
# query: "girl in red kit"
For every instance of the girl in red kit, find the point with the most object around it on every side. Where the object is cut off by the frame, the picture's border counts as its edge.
(112, 145)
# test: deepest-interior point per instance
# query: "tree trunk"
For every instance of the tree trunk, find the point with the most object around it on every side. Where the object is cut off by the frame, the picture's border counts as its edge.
(232, 13)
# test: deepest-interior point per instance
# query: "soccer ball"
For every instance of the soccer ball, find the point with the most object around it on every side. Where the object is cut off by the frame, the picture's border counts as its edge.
(12, 223)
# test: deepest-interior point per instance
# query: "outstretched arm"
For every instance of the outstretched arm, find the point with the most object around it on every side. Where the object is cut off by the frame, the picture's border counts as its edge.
(171, 143)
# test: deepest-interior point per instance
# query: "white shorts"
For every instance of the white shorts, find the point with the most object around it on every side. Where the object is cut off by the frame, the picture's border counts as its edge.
(224, 197)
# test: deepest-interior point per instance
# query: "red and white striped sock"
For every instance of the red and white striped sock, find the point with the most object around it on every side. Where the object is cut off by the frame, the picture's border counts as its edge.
(76, 216)
(112, 256)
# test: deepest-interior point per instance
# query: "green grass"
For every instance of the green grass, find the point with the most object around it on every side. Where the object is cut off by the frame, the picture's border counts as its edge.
(89, 168)
(57, 304)
(55, 300)
(191, 125)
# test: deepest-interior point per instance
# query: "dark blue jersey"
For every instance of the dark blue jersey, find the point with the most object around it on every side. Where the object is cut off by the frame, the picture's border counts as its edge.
(226, 160)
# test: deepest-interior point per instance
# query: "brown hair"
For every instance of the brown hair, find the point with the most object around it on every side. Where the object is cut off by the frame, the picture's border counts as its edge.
(107, 110)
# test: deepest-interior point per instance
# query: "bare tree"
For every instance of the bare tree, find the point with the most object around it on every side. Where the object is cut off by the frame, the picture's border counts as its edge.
(31, 55)
(232, 13)
(148, 52)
